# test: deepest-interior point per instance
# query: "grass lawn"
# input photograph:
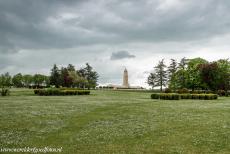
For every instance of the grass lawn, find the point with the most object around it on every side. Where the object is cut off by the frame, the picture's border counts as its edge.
(114, 122)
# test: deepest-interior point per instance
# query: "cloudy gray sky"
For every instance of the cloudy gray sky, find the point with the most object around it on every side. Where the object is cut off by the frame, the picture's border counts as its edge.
(110, 34)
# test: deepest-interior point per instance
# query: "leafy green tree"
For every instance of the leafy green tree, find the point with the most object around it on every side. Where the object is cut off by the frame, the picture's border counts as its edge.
(71, 68)
(172, 74)
(66, 80)
(182, 74)
(55, 77)
(27, 80)
(5, 83)
(90, 75)
(193, 78)
(161, 74)
(209, 75)
(78, 81)
(39, 80)
(152, 80)
(17, 80)
(223, 74)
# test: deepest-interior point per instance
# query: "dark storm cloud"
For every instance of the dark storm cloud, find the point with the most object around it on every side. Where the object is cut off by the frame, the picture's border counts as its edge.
(77, 31)
(121, 55)
(32, 24)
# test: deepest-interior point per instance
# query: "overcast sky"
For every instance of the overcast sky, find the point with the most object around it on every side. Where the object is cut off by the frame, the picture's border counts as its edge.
(110, 34)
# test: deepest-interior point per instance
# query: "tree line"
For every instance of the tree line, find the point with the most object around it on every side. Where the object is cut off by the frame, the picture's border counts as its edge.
(59, 77)
(192, 74)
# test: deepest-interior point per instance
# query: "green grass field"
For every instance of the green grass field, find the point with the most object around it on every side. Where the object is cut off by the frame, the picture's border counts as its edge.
(114, 122)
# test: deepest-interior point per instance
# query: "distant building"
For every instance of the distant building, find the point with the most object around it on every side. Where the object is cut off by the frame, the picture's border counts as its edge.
(125, 79)
(125, 84)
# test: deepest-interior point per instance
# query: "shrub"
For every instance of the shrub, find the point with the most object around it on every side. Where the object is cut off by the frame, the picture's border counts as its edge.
(199, 96)
(183, 91)
(58, 92)
(186, 96)
(155, 96)
(195, 96)
(223, 93)
(167, 90)
(5, 92)
(169, 96)
(172, 96)
(36, 91)
(175, 96)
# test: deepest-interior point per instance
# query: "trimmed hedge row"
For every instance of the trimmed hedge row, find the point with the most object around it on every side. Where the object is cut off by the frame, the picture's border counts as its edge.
(58, 92)
(171, 96)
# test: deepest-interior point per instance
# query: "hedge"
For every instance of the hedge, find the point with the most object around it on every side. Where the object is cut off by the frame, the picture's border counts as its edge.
(155, 96)
(164, 96)
(172, 96)
(59, 92)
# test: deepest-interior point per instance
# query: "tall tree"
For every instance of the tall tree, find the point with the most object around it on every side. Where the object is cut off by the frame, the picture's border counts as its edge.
(182, 73)
(39, 79)
(27, 80)
(224, 74)
(71, 68)
(66, 80)
(55, 77)
(152, 80)
(17, 80)
(171, 74)
(5, 80)
(161, 74)
(5, 83)
(193, 78)
(209, 75)
(90, 75)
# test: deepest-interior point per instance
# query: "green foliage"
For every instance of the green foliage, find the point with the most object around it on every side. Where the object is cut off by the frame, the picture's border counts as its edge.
(40, 79)
(60, 92)
(5, 92)
(27, 80)
(152, 80)
(183, 91)
(186, 96)
(165, 96)
(193, 74)
(223, 74)
(169, 96)
(173, 96)
(5, 83)
(90, 75)
(55, 76)
(155, 96)
(159, 77)
(223, 93)
(172, 74)
(70, 77)
(168, 90)
(5, 80)
(193, 78)
(17, 80)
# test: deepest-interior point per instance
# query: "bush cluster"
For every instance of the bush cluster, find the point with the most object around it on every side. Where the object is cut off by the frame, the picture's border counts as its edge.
(183, 91)
(167, 90)
(172, 96)
(5, 92)
(155, 96)
(59, 92)
(223, 93)
(199, 96)
(165, 96)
